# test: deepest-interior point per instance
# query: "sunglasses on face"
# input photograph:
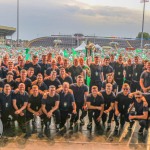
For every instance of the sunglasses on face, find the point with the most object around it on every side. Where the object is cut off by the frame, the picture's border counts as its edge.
(138, 97)
(125, 89)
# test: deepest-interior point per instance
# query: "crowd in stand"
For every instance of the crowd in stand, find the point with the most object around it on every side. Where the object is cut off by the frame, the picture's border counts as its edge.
(55, 87)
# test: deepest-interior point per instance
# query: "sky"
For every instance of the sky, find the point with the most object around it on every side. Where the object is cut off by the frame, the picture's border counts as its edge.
(39, 18)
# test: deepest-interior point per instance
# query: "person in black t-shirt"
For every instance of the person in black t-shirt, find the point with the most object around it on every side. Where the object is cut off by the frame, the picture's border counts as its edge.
(122, 104)
(137, 70)
(40, 83)
(23, 79)
(9, 80)
(67, 105)
(6, 108)
(30, 74)
(110, 79)
(80, 91)
(95, 104)
(34, 109)
(140, 113)
(106, 68)
(145, 79)
(52, 80)
(128, 72)
(50, 107)
(119, 73)
(145, 83)
(44, 65)
(10, 68)
(112, 61)
(75, 70)
(20, 102)
(34, 64)
(109, 101)
(53, 67)
(96, 74)
(63, 77)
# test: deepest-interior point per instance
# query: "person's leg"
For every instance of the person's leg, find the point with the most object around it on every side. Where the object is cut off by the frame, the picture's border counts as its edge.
(78, 110)
(96, 115)
(90, 116)
(116, 118)
(57, 117)
(104, 118)
(83, 114)
(122, 120)
(63, 117)
(143, 124)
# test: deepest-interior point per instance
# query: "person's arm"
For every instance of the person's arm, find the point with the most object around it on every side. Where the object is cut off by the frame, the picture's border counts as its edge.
(24, 106)
(116, 108)
(29, 108)
(15, 104)
(144, 116)
(142, 85)
(74, 107)
(55, 107)
(102, 110)
(130, 108)
(110, 108)
(102, 76)
(93, 107)
(44, 109)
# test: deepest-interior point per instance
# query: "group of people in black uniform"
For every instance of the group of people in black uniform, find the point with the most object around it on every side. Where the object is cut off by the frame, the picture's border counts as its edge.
(55, 88)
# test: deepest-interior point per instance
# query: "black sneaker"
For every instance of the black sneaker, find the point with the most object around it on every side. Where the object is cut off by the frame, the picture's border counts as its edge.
(141, 131)
(82, 122)
(131, 125)
(89, 126)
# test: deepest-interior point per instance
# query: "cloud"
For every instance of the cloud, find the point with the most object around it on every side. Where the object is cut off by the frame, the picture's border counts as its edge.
(46, 17)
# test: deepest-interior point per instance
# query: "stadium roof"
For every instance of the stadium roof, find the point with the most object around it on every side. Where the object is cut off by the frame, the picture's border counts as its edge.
(7, 31)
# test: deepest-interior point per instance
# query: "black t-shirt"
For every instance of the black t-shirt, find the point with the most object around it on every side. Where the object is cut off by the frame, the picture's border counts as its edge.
(49, 102)
(95, 101)
(6, 102)
(96, 71)
(28, 84)
(129, 72)
(5, 71)
(75, 71)
(137, 70)
(114, 84)
(4, 81)
(37, 68)
(139, 107)
(123, 102)
(49, 70)
(44, 67)
(1, 72)
(49, 82)
(108, 99)
(146, 77)
(79, 92)
(21, 99)
(112, 64)
(32, 78)
(106, 70)
(66, 101)
(42, 87)
(119, 68)
(35, 102)
(66, 79)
